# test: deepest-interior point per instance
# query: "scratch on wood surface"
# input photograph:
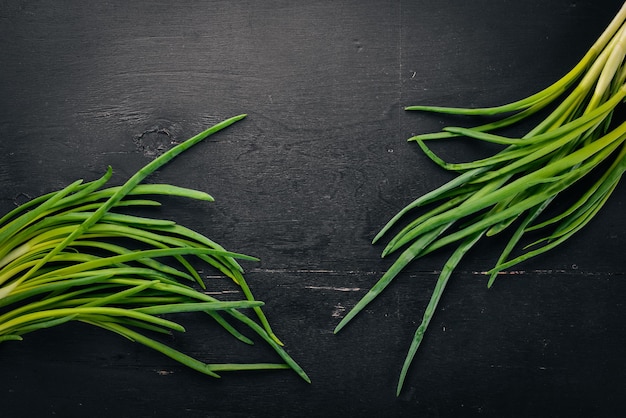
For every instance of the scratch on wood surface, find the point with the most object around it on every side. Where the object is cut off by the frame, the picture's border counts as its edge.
(221, 292)
(338, 289)
(313, 271)
(338, 311)
(164, 372)
(517, 272)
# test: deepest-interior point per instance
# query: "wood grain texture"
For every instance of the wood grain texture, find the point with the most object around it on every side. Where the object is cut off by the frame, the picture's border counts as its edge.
(304, 183)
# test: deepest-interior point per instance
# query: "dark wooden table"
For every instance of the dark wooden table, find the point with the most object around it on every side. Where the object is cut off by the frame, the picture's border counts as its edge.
(304, 183)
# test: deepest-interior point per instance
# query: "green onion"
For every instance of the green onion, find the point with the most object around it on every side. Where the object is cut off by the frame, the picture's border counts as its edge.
(511, 190)
(71, 255)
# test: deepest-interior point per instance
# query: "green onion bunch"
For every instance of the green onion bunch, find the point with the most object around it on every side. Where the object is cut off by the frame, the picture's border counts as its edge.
(577, 139)
(77, 255)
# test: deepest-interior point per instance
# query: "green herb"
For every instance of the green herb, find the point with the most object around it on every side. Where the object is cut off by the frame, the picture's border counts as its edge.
(511, 189)
(69, 256)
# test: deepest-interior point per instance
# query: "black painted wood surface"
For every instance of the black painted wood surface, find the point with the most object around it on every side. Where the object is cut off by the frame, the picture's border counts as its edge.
(304, 183)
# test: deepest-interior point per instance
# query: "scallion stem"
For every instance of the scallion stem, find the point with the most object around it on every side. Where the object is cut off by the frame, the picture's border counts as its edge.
(514, 188)
(68, 256)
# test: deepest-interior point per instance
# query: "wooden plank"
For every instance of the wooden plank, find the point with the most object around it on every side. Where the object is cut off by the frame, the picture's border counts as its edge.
(304, 183)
